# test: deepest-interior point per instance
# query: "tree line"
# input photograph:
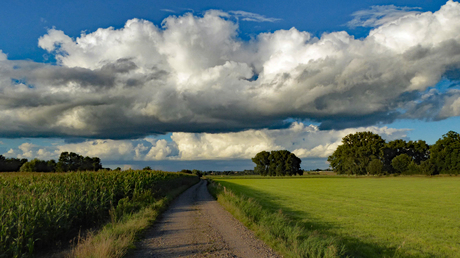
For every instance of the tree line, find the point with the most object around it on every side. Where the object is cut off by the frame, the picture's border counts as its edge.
(67, 162)
(366, 153)
(277, 163)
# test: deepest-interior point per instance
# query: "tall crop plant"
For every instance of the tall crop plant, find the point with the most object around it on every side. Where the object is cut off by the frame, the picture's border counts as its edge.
(41, 209)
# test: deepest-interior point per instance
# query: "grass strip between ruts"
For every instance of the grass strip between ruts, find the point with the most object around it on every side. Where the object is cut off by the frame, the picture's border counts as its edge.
(117, 237)
(277, 230)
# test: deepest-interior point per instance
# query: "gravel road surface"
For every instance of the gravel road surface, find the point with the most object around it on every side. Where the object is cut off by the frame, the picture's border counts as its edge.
(196, 225)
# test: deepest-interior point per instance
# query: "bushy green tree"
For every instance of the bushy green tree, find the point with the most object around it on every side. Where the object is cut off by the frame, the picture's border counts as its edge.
(197, 172)
(262, 163)
(75, 162)
(428, 167)
(445, 153)
(356, 152)
(375, 167)
(277, 163)
(293, 165)
(11, 164)
(401, 163)
(417, 150)
(37, 165)
(413, 169)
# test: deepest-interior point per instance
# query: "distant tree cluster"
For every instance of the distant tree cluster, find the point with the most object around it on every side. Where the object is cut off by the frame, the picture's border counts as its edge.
(367, 153)
(196, 172)
(75, 162)
(67, 162)
(277, 163)
(10, 164)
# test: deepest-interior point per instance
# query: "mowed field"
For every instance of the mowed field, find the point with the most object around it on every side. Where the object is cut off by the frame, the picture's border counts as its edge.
(373, 217)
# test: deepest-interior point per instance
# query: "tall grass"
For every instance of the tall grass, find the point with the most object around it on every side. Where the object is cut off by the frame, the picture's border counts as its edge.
(275, 228)
(39, 210)
(117, 237)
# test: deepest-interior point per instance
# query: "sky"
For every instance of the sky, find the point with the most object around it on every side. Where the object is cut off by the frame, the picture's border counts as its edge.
(208, 84)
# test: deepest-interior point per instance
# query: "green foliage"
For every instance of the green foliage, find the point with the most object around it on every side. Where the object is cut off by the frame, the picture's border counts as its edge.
(40, 209)
(75, 162)
(186, 171)
(277, 163)
(418, 151)
(37, 165)
(147, 168)
(445, 153)
(428, 167)
(356, 152)
(413, 169)
(401, 163)
(11, 164)
(262, 163)
(375, 167)
(197, 172)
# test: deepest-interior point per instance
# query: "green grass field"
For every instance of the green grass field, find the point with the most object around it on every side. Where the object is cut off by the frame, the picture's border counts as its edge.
(373, 217)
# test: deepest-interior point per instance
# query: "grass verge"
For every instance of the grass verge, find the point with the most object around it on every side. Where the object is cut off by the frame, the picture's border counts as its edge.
(276, 229)
(117, 237)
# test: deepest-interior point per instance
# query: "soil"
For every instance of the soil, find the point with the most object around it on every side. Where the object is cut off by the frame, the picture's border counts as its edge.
(195, 225)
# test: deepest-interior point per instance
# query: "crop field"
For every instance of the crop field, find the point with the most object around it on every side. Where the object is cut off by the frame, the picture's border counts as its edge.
(38, 210)
(371, 217)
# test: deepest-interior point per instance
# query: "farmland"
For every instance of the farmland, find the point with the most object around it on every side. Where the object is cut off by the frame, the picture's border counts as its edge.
(38, 210)
(369, 217)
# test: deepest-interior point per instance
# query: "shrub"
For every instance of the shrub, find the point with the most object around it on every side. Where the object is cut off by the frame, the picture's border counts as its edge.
(375, 167)
(401, 163)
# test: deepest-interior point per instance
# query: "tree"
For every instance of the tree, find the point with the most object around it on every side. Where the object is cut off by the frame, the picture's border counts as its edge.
(37, 165)
(147, 168)
(356, 152)
(11, 164)
(445, 153)
(293, 165)
(197, 172)
(375, 167)
(418, 151)
(262, 163)
(428, 167)
(277, 163)
(75, 162)
(401, 163)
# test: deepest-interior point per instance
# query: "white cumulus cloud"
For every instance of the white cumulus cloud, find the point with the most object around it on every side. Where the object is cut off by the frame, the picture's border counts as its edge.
(193, 74)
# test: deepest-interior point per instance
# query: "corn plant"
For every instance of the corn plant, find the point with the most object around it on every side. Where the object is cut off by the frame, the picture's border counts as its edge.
(39, 210)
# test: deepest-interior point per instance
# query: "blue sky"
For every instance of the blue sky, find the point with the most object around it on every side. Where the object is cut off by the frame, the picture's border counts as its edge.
(173, 83)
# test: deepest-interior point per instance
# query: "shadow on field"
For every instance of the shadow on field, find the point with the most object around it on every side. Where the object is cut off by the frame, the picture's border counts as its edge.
(355, 247)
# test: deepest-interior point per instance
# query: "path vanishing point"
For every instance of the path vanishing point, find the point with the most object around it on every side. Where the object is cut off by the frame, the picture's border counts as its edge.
(195, 225)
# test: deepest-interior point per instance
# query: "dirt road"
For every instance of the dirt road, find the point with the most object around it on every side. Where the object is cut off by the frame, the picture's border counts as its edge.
(196, 225)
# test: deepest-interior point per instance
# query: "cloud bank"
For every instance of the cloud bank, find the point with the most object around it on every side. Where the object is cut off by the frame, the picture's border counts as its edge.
(193, 74)
(306, 141)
